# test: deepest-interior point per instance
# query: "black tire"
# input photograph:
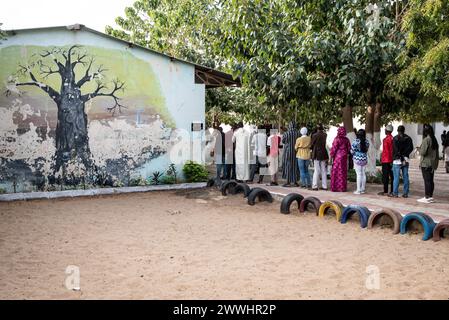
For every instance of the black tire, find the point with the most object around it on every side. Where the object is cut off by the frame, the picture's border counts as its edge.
(259, 193)
(228, 186)
(242, 188)
(287, 202)
(210, 183)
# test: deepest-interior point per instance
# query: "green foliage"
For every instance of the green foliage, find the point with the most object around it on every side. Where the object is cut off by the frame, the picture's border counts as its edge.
(305, 60)
(2, 190)
(423, 77)
(138, 181)
(195, 172)
(168, 179)
(156, 178)
(172, 172)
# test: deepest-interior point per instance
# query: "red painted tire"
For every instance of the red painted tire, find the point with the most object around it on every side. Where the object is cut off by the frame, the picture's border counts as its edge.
(439, 229)
(310, 200)
(395, 216)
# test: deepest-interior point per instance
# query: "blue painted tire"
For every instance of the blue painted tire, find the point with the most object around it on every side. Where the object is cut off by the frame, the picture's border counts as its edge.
(363, 213)
(426, 221)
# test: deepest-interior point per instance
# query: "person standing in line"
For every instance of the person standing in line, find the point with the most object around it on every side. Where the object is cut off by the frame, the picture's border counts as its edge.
(359, 151)
(320, 158)
(273, 142)
(259, 143)
(402, 147)
(444, 142)
(290, 171)
(241, 138)
(229, 154)
(302, 147)
(219, 151)
(428, 162)
(341, 147)
(387, 161)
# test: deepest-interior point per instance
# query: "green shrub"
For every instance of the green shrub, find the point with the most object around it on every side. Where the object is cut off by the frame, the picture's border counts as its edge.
(172, 172)
(168, 180)
(139, 181)
(156, 178)
(195, 172)
(2, 190)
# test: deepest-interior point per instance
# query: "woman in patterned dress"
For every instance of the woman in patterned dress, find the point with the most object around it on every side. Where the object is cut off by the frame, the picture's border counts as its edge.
(339, 154)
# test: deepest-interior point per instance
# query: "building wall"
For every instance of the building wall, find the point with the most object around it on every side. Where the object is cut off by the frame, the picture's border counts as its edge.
(159, 97)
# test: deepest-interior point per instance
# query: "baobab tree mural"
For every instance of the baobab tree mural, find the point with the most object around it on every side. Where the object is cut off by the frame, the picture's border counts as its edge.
(72, 140)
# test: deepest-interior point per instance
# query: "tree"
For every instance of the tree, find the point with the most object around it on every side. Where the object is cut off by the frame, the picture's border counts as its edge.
(424, 63)
(72, 141)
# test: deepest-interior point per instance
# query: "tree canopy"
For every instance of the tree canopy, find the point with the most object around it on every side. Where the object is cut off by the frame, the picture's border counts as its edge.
(314, 61)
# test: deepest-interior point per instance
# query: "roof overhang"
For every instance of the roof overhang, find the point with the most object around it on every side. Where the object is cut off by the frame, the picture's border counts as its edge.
(214, 78)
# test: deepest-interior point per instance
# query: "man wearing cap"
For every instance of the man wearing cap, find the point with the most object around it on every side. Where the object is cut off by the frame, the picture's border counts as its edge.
(387, 160)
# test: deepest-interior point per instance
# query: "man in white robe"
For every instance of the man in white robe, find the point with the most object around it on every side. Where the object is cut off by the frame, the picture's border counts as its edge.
(241, 138)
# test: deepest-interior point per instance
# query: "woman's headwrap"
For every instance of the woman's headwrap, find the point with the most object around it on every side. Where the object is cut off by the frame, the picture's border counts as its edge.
(341, 132)
(303, 131)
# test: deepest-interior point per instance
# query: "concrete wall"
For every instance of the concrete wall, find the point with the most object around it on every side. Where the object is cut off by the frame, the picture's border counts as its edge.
(160, 101)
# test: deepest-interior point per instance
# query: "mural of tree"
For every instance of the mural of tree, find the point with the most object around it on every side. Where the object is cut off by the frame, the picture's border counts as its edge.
(72, 141)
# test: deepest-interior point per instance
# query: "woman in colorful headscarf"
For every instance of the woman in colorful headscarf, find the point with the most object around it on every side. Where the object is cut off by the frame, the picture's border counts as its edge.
(339, 154)
(290, 171)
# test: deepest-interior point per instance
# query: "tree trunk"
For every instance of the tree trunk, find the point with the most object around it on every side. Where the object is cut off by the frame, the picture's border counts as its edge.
(347, 122)
(72, 141)
(370, 136)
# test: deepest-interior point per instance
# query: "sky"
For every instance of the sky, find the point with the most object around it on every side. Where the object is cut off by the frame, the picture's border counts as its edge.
(95, 14)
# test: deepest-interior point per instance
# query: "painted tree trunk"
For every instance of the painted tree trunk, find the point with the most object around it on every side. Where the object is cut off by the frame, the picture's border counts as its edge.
(72, 141)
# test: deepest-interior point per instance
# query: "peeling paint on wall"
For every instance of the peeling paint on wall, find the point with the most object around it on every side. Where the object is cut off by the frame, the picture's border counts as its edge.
(80, 115)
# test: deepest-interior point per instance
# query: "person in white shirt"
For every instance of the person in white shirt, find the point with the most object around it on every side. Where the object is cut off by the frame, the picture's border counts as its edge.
(259, 146)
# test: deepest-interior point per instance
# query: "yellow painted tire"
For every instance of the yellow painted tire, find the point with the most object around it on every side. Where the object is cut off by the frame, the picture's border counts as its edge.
(334, 205)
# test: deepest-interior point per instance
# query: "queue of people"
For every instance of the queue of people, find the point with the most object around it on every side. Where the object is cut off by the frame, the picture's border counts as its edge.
(241, 154)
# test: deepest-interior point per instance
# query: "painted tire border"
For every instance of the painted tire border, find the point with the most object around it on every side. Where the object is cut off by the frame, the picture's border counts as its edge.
(288, 200)
(439, 228)
(363, 212)
(242, 187)
(331, 204)
(425, 220)
(226, 186)
(395, 216)
(313, 200)
(261, 194)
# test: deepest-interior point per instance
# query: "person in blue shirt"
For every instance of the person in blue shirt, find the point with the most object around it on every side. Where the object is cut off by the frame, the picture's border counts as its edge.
(359, 151)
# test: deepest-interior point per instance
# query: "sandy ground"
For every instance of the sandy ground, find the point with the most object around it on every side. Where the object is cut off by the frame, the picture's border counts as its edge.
(200, 245)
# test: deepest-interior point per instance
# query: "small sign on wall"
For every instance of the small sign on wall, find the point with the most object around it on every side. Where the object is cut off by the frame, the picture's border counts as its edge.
(197, 126)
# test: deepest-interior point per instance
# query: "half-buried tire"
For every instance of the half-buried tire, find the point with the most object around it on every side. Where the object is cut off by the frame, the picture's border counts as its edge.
(363, 213)
(228, 186)
(288, 200)
(242, 188)
(332, 204)
(427, 223)
(259, 193)
(439, 229)
(210, 183)
(315, 202)
(377, 216)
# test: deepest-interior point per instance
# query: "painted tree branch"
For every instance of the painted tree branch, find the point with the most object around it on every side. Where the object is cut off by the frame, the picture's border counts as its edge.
(118, 86)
